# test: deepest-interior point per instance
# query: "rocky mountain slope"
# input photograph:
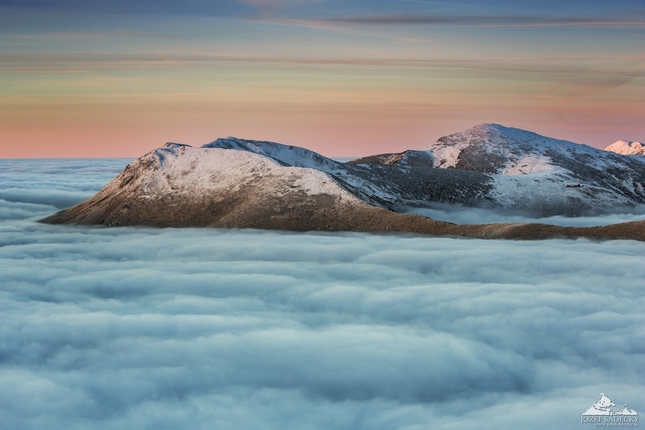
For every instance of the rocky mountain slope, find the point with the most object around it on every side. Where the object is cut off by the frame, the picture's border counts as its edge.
(253, 184)
(537, 174)
(179, 185)
(383, 185)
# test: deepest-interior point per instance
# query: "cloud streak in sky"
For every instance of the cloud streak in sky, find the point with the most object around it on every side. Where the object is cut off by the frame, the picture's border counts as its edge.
(623, 70)
(149, 7)
(83, 75)
(468, 20)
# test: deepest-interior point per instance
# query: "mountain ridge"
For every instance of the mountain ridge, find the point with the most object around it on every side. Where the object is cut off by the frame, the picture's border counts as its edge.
(538, 174)
(240, 183)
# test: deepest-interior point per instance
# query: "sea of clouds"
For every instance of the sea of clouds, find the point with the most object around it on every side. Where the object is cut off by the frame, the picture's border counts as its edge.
(143, 328)
(459, 214)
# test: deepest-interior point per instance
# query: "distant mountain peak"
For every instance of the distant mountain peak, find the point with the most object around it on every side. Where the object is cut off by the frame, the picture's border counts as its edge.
(494, 148)
(492, 126)
(627, 147)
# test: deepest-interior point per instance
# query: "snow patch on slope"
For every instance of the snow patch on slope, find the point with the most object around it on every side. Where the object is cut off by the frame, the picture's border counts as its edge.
(528, 164)
(364, 182)
(284, 154)
(445, 155)
(199, 171)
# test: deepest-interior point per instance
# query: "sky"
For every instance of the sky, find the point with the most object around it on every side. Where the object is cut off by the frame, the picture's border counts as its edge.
(140, 328)
(120, 78)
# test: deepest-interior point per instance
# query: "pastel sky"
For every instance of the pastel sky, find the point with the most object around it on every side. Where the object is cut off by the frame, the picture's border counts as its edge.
(118, 78)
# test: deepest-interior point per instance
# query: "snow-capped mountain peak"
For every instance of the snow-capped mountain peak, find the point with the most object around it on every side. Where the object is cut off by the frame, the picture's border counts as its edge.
(494, 148)
(627, 147)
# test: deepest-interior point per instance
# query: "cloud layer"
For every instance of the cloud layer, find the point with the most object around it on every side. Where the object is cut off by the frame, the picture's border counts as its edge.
(187, 328)
(465, 20)
(459, 214)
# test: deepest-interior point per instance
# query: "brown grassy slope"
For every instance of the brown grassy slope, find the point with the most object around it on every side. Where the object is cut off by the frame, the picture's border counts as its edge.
(300, 212)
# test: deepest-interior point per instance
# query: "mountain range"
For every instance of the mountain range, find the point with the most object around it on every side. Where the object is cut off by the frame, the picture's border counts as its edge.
(240, 183)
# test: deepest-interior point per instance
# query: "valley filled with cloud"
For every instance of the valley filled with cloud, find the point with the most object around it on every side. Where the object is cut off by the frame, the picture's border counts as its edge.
(108, 328)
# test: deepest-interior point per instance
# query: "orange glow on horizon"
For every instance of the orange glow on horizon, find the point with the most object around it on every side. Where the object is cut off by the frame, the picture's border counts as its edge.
(339, 99)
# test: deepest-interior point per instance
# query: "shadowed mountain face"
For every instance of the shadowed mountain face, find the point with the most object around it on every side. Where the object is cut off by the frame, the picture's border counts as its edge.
(252, 184)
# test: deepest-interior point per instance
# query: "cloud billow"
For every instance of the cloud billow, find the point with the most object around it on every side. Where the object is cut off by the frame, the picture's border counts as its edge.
(109, 328)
